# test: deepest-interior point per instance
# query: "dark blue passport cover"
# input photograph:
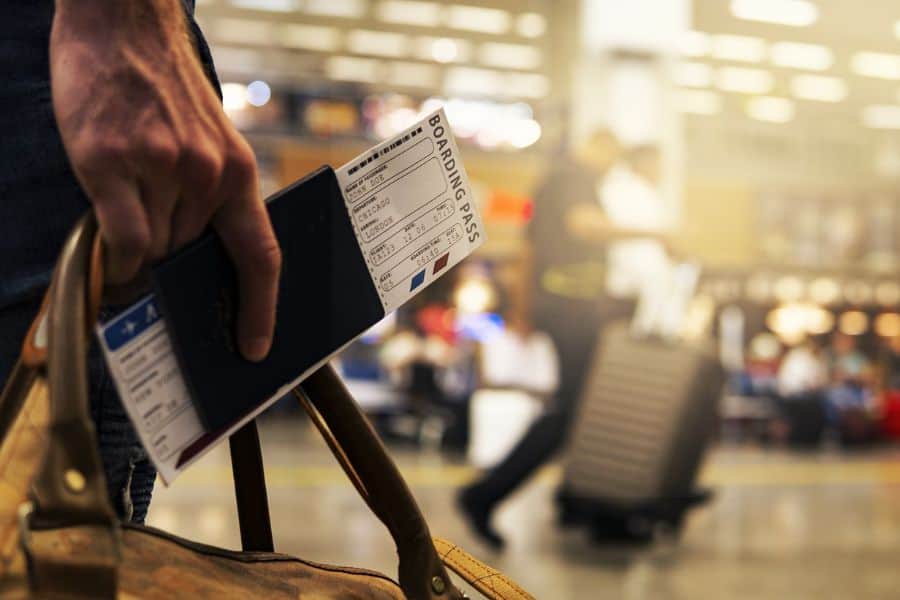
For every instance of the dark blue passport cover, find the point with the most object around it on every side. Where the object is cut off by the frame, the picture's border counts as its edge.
(326, 299)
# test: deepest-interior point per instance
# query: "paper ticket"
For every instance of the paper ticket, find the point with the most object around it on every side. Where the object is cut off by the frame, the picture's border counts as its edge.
(411, 204)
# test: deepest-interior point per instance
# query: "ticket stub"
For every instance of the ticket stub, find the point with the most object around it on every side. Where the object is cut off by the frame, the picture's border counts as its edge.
(414, 217)
(141, 361)
(412, 208)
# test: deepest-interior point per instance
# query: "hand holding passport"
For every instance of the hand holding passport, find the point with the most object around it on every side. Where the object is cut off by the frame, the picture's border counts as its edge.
(356, 244)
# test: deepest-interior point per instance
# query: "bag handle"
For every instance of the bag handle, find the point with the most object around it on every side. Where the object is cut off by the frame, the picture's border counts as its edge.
(352, 437)
(70, 484)
(69, 488)
(365, 460)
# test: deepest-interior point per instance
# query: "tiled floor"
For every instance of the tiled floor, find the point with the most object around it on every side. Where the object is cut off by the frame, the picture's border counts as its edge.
(782, 525)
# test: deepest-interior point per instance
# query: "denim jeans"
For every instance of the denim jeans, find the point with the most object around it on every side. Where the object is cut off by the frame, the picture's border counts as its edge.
(40, 200)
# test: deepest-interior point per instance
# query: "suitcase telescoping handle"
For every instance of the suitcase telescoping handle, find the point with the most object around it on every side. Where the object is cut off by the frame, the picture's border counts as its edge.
(69, 488)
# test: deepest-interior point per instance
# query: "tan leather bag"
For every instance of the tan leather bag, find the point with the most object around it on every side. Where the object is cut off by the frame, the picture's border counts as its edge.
(59, 537)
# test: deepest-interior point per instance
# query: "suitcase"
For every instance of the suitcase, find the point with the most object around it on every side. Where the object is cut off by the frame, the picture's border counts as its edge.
(647, 412)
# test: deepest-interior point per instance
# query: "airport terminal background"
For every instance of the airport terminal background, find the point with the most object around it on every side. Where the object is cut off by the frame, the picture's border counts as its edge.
(759, 137)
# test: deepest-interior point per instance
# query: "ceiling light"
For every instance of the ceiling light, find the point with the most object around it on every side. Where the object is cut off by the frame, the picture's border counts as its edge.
(476, 18)
(695, 43)
(234, 97)
(444, 50)
(259, 93)
(788, 289)
(511, 56)
(270, 5)
(349, 68)
(858, 292)
(526, 133)
(244, 31)
(413, 74)
(352, 9)
(310, 37)
(692, 74)
(883, 116)
(876, 64)
(741, 48)
(794, 13)
(744, 80)
(698, 102)
(526, 85)
(378, 43)
(771, 109)
(240, 59)
(818, 87)
(468, 80)
(825, 291)
(794, 55)
(407, 12)
(531, 25)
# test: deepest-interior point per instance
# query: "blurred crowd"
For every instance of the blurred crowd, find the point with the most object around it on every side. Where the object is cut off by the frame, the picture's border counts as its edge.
(827, 386)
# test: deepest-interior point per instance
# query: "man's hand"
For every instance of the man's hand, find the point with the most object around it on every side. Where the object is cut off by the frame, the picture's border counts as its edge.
(154, 151)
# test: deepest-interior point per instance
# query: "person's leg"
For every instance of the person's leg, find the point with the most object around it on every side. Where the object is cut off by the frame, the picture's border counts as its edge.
(129, 474)
(541, 441)
(575, 340)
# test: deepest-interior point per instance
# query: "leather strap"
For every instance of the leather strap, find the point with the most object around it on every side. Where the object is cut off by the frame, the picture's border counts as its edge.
(69, 488)
(250, 489)
(36, 344)
(421, 573)
(337, 451)
(70, 484)
(493, 584)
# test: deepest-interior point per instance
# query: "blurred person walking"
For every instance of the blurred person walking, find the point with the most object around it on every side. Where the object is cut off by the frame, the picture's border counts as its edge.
(113, 104)
(578, 217)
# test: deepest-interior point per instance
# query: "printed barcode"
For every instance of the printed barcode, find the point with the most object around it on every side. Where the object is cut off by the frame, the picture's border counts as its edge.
(386, 150)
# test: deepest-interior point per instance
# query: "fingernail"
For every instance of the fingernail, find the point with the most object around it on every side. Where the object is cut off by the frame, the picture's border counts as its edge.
(257, 348)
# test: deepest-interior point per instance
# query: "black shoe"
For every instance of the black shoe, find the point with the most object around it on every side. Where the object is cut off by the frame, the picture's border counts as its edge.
(478, 516)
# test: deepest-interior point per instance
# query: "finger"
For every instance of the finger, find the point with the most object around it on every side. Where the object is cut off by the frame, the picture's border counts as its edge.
(199, 173)
(123, 226)
(244, 227)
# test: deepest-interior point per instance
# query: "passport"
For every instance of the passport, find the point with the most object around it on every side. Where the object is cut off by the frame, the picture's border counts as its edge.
(326, 298)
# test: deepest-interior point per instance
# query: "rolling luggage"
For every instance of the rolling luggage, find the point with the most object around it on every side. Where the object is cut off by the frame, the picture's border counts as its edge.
(647, 411)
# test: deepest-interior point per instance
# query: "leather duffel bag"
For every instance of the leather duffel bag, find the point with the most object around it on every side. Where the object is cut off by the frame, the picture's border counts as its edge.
(59, 537)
